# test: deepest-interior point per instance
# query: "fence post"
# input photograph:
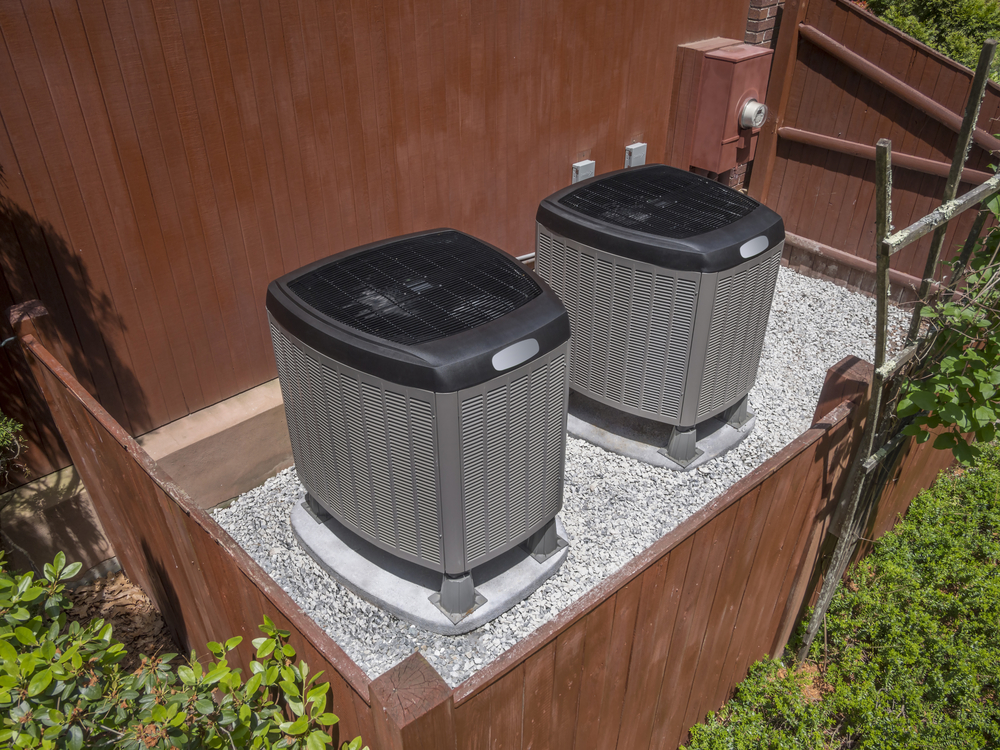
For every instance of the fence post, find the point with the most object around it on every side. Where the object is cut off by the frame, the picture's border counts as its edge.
(33, 318)
(413, 708)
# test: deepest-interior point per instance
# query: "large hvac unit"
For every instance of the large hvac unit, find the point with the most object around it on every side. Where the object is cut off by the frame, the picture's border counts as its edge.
(425, 381)
(668, 278)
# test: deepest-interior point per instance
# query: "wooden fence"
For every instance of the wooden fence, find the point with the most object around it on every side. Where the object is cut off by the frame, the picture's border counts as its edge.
(632, 664)
(841, 80)
(163, 160)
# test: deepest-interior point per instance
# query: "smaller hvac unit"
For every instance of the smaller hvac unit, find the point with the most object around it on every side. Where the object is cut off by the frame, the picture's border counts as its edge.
(668, 278)
(425, 381)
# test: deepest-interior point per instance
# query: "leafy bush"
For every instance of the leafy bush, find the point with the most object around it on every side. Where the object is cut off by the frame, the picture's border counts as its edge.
(913, 657)
(956, 28)
(11, 448)
(61, 687)
(956, 379)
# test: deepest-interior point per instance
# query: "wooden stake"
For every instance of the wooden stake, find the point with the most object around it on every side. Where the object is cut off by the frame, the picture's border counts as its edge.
(954, 175)
(857, 477)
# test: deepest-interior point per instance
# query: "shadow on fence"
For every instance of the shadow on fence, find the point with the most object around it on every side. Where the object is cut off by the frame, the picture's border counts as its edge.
(631, 664)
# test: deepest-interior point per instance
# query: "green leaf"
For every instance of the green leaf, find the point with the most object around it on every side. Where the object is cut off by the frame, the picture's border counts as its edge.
(253, 684)
(924, 400)
(984, 415)
(25, 636)
(964, 452)
(39, 682)
(71, 570)
(204, 706)
(32, 593)
(233, 642)
(187, 675)
(75, 741)
(215, 675)
(327, 720)
(316, 740)
(319, 690)
(7, 652)
(266, 648)
(299, 726)
(59, 562)
(945, 441)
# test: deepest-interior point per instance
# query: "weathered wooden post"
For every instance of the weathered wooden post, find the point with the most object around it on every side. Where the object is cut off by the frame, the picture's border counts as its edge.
(886, 244)
(412, 708)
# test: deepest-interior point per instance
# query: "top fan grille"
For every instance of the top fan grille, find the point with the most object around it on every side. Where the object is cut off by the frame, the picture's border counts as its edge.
(665, 202)
(418, 289)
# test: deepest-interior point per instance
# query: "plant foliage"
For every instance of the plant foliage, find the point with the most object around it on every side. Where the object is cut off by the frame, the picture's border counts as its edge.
(11, 448)
(61, 687)
(956, 28)
(913, 657)
(956, 381)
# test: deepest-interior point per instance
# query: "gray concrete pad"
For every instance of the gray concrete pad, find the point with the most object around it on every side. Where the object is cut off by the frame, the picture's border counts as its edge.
(644, 439)
(405, 588)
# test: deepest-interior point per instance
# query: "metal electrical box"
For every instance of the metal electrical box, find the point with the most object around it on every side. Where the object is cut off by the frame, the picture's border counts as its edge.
(730, 109)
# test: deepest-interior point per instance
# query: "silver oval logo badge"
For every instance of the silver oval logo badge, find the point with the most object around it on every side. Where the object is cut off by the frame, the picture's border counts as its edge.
(515, 354)
(754, 247)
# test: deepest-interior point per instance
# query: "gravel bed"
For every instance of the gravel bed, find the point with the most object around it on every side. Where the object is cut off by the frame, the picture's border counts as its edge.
(613, 507)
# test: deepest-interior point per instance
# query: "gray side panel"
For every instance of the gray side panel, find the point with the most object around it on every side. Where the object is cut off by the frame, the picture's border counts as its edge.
(736, 332)
(365, 449)
(633, 326)
(513, 448)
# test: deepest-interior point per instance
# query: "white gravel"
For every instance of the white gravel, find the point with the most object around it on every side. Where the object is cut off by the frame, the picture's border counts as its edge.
(613, 507)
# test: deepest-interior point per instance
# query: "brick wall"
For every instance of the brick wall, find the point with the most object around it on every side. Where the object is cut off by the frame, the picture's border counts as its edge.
(761, 22)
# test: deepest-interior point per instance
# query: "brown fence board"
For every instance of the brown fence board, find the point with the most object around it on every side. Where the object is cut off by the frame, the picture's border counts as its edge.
(692, 624)
(747, 530)
(828, 197)
(596, 662)
(651, 642)
(619, 656)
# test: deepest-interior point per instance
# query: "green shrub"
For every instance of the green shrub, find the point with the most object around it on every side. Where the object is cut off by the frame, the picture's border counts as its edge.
(956, 28)
(955, 382)
(61, 686)
(913, 655)
(11, 448)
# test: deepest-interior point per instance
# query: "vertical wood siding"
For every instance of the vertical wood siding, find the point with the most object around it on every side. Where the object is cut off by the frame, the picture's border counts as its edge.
(165, 159)
(829, 197)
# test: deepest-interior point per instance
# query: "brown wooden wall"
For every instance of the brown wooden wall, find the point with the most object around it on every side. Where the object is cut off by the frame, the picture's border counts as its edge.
(631, 665)
(163, 160)
(826, 196)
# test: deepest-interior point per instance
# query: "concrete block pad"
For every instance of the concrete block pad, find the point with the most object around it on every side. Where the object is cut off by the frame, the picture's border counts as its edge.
(644, 439)
(405, 588)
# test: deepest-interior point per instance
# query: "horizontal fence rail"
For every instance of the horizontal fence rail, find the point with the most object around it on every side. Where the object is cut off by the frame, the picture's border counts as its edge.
(841, 81)
(632, 664)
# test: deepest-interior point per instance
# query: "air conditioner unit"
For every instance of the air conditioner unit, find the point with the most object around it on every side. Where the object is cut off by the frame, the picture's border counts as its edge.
(668, 278)
(425, 381)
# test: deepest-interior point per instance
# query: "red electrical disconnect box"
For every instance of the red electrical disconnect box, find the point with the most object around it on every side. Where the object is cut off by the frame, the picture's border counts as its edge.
(731, 78)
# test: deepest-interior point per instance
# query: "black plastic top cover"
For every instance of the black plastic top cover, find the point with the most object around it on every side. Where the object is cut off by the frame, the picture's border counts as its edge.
(438, 310)
(663, 216)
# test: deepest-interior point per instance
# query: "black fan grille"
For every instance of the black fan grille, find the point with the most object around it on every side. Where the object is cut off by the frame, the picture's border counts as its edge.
(665, 202)
(419, 289)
